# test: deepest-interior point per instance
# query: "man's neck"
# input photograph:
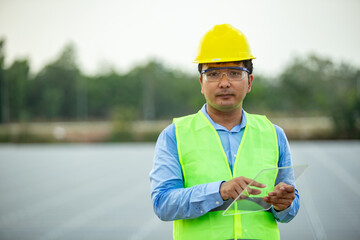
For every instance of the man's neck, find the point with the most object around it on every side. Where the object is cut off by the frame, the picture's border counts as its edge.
(227, 119)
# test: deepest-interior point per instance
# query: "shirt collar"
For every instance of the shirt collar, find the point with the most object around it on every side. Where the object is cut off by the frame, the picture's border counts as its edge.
(236, 128)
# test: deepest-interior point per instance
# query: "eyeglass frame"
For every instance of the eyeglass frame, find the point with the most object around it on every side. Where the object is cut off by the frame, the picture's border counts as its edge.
(236, 68)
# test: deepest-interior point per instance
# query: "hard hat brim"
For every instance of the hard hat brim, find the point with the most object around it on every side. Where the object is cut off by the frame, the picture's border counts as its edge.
(219, 60)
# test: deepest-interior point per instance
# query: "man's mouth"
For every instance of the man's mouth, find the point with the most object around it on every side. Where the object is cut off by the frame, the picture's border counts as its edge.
(224, 94)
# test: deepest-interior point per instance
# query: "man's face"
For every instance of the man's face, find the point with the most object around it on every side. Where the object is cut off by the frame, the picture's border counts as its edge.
(225, 95)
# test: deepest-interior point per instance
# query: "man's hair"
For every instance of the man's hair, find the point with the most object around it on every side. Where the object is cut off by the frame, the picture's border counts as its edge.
(247, 64)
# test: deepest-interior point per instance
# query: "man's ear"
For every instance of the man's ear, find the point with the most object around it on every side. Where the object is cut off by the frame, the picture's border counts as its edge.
(250, 80)
(201, 83)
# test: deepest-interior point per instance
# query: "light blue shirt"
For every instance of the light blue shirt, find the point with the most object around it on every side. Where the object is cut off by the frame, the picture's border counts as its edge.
(171, 201)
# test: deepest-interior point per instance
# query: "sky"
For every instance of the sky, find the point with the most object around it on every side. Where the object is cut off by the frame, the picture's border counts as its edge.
(121, 34)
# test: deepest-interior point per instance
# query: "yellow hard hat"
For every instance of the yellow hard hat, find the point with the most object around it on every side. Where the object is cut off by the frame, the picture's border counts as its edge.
(223, 43)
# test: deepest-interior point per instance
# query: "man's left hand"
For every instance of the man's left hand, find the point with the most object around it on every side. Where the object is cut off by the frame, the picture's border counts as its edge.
(281, 197)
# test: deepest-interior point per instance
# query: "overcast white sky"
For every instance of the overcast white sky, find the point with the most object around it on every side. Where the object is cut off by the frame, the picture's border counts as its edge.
(124, 33)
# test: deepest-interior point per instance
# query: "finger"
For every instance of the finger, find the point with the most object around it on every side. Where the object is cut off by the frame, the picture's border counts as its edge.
(254, 183)
(243, 186)
(277, 193)
(253, 191)
(282, 194)
(266, 199)
(288, 188)
(277, 201)
(280, 204)
(243, 196)
(285, 187)
(234, 194)
(269, 199)
(247, 190)
(238, 189)
(273, 193)
(284, 191)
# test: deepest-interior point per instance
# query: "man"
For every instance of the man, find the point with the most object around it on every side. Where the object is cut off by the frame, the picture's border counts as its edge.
(204, 159)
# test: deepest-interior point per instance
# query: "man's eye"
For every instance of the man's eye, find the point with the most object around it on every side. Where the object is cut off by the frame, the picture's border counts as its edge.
(235, 73)
(213, 74)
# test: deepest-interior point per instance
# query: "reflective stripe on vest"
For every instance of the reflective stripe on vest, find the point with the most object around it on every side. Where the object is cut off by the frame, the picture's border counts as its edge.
(203, 160)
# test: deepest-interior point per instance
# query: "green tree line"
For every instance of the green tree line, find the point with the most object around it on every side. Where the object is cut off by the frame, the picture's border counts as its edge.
(61, 91)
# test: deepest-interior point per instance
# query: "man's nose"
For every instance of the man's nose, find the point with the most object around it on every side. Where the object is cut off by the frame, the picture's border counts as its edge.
(224, 82)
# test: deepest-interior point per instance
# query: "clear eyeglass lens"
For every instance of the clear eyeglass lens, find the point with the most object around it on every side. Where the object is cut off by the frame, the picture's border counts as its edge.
(231, 74)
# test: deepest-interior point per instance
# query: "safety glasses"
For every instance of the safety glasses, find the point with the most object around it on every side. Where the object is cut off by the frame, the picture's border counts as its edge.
(232, 73)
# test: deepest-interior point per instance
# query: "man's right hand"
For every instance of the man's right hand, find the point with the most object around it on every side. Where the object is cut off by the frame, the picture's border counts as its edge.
(232, 188)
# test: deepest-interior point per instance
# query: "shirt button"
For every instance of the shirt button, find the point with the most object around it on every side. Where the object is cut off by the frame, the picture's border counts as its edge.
(234, 155)
(201, 211)
(217, 203)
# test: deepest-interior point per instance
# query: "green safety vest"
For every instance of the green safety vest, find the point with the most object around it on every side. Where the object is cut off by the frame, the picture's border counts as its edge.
(203, 160)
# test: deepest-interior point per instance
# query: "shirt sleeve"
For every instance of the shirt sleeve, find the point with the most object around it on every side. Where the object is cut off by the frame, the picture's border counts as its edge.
(285, 160)
(171, 201)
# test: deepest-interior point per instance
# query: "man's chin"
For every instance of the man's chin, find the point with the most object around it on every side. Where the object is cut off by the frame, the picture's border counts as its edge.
(223, 107)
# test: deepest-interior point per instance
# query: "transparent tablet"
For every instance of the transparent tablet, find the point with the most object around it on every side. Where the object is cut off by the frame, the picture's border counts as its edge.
(248, 203)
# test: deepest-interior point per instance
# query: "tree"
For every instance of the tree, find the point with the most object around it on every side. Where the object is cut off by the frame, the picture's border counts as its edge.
(17, 78)
(54, 93)
(315, 85)
(4, 95)
(263, 97)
